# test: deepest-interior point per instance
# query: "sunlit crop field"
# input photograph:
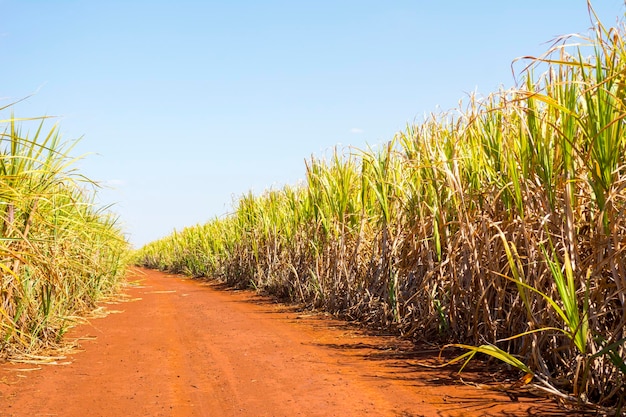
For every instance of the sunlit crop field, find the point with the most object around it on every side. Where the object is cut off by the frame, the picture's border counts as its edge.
(59, 253)
(498, 227)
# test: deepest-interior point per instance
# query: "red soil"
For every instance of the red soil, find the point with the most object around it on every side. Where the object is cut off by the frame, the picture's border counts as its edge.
(186, 348)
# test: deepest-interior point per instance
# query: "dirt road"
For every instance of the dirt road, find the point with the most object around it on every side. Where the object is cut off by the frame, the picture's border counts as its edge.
(186, 348)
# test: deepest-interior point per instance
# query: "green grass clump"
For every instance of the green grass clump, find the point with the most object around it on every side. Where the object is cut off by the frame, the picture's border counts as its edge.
(58, 252)
(499, 226)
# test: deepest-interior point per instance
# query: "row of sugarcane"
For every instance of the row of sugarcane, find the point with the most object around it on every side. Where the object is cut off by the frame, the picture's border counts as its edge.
(59, 252)
(499, 227)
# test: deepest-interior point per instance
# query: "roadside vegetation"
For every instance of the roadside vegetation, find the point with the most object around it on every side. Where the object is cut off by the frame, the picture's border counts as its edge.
(498, 227)
(59, 253)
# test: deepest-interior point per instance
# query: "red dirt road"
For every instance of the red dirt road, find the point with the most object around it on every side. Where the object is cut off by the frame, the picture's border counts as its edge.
(186, 348)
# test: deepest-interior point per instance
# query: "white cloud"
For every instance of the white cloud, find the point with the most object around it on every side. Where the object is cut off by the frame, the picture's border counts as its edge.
(356, 130)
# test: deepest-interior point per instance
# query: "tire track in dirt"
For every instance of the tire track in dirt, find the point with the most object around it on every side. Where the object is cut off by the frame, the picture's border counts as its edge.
(188, 348)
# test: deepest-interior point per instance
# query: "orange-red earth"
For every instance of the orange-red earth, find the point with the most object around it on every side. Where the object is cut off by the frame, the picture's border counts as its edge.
(183, 347)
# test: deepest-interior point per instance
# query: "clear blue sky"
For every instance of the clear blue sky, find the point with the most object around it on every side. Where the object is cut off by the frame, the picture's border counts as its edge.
(189, 104)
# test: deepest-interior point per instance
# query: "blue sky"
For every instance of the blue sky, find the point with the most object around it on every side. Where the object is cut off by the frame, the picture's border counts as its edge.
(186, 105)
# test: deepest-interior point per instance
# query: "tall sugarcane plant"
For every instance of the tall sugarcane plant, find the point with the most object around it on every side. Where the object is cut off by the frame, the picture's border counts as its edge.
(59, 253)
(498, 227)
